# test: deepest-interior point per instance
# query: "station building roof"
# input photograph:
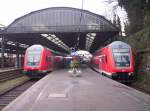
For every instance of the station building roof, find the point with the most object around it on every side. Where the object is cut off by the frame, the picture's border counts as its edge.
(60, 28)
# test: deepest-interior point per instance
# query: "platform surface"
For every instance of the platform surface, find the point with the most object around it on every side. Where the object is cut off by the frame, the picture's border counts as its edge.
(59, 91)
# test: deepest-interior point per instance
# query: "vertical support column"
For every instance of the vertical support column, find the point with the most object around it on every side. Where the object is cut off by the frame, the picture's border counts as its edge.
(17, 65)
(20, 62)
(2, 50)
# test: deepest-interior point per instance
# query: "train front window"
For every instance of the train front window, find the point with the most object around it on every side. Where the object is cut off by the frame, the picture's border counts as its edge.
(122, 58)
(33, 58)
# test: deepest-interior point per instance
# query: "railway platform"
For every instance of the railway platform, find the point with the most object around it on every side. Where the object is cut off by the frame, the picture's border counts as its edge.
(9, 73)
(8, 69)
(59, 91)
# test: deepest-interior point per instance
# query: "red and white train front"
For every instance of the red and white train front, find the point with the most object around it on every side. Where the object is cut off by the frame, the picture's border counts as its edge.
(116, 60)
(123, 60)
(38, 60)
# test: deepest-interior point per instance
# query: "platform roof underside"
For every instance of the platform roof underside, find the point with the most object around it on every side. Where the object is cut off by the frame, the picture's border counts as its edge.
(72, 28)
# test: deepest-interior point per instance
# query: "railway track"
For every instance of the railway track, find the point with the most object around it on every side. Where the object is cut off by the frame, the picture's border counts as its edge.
(9, 96)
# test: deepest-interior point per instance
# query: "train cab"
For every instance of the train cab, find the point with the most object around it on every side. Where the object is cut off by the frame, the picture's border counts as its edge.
(38, 60)
(116, 61)
(123, 61)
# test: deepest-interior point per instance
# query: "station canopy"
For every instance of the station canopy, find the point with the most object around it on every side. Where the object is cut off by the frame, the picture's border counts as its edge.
(60, 29)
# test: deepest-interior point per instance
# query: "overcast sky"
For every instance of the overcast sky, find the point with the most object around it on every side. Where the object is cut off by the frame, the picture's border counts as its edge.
(12, 9)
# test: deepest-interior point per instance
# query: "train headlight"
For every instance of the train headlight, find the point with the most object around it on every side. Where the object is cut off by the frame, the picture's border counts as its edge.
(130, 73)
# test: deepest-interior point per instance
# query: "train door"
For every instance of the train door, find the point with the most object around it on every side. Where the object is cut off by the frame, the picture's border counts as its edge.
(100, 64)
(52, 62)
(49, 61)
(105, 62)
(96, 62)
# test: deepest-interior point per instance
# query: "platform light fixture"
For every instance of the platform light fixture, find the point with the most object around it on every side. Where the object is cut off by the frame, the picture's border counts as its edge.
(20, 44)
(23, 45)
(44, 35)
(10, 42)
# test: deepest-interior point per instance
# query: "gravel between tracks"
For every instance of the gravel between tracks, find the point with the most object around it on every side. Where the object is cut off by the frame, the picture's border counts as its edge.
(12, 94)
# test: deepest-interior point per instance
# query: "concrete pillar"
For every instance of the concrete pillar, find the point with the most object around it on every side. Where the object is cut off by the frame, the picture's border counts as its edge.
(17, 65)
(2, 50)
(20, 60)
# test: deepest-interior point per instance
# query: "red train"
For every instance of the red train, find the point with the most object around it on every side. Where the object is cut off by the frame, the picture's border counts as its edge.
(116, 61)
(39, 60)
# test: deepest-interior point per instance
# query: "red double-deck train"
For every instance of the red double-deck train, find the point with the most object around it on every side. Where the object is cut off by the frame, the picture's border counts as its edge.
(116, 61)
(39, 60)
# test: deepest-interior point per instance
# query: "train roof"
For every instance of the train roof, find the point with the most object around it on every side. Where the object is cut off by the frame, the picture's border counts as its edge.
(40, 47)
(119, 44)
(36, 46)
(115, 44)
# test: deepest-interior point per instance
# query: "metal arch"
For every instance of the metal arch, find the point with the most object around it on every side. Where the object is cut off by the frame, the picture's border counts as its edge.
(60, 19)
(65, 23)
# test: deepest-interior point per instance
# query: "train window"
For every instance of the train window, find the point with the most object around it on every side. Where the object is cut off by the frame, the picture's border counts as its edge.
(122, 58)
(48, 58)
(105, 58)
(33, 57)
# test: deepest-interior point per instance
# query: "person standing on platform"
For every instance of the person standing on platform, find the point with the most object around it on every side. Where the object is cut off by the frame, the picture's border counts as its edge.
(75, 66)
